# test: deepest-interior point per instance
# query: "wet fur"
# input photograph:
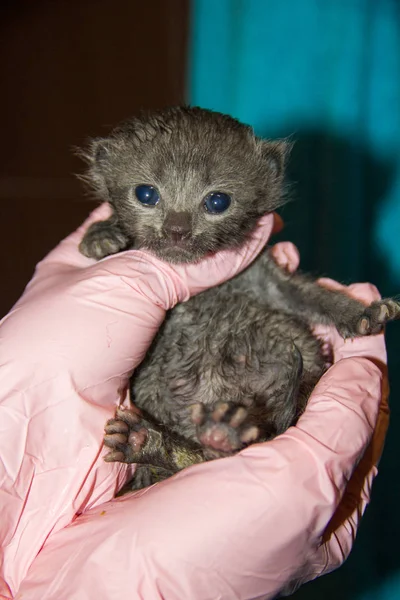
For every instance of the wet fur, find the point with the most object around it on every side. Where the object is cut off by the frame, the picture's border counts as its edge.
(237, 363)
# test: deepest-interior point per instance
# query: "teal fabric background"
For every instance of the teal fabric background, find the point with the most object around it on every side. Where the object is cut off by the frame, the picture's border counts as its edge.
(327, 73)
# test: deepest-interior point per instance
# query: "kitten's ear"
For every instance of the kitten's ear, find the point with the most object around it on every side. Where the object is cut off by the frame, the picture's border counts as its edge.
(275, 155)
(98, 155)
(101, 150)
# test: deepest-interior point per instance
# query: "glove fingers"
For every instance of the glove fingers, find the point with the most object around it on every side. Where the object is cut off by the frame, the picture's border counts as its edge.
(286, 256)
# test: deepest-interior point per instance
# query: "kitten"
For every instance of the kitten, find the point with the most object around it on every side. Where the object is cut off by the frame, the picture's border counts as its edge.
(236, 364)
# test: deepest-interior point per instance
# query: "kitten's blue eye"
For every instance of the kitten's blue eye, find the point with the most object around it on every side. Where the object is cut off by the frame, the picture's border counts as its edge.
(217, 202)
(147, 194)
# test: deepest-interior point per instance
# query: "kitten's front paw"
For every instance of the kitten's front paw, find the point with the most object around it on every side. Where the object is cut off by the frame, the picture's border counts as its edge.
(125, 436)
(376, 315)
(224, 428)
(102, 239)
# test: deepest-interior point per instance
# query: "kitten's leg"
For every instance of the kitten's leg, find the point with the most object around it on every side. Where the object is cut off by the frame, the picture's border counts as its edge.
(103, 238)
(225, 427)
(160, 454)
(145, 476)
(299, 295)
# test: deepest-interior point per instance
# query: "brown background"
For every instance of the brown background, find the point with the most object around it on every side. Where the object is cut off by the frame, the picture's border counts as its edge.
(72, 69)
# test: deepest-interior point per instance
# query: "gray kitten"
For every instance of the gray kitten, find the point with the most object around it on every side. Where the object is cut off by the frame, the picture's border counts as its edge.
(236, 364)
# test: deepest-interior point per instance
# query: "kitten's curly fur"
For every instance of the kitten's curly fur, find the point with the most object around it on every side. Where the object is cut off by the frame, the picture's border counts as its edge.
(237, 363)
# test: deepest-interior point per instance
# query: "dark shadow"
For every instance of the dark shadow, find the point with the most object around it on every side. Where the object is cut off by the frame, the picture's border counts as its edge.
(338, 186)
(62, 83)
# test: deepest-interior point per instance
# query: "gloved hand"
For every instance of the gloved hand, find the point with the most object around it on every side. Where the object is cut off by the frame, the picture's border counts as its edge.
(67, 349)
(243, 527)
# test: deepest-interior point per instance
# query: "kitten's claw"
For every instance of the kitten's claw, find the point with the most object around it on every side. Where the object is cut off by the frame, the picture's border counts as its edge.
(125, 435)
(102, 239)
(115, 456)
(376, 315)
(224, 427)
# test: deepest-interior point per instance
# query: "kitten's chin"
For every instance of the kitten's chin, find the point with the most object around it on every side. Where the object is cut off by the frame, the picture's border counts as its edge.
(181, 252)
(176, 254)
(172, 253)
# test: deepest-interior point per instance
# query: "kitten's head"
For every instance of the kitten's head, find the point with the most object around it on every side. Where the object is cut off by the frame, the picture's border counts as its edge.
(186, 182)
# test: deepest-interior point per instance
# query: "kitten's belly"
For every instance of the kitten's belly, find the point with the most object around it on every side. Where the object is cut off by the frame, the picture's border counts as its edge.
(226, 346)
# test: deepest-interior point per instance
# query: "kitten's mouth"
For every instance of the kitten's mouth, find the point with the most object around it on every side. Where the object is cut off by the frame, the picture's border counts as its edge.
(177, 244)
(176, 251)
(183, 250)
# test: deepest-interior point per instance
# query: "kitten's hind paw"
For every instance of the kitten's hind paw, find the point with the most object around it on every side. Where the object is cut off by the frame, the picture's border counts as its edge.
(125, 436)
(102, 239)
(376, 315)
(224, 428)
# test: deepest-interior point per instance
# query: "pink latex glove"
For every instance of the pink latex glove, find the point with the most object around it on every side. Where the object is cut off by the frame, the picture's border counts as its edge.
(67, 349)
(241, 527)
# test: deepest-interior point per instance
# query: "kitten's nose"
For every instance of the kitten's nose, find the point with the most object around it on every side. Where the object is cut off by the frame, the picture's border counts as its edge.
(177, 226)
